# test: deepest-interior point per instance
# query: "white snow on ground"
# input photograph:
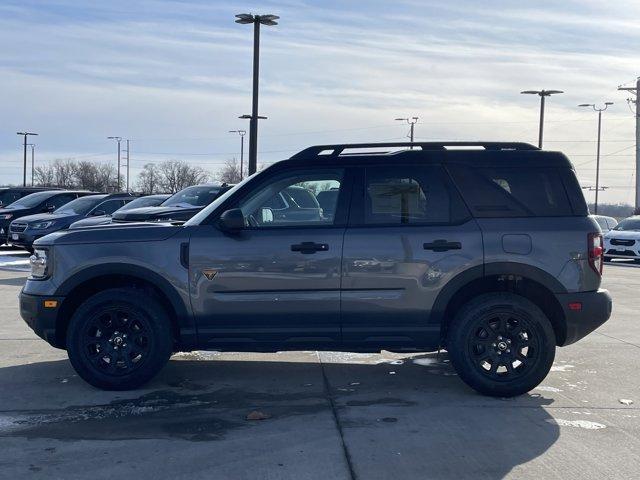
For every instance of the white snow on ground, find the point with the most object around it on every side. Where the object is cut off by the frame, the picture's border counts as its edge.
(14, 260)
(577, 423)
(545, 388)
(561, 368)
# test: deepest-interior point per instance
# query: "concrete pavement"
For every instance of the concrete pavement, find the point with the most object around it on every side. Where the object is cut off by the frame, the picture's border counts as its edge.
(330, 415)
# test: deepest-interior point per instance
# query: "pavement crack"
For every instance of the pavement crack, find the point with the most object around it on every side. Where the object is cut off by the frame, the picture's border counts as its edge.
(618, 339)
(336, 418)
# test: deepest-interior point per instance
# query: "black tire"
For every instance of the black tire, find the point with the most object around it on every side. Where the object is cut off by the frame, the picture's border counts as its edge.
(505, 323)
(119, 339)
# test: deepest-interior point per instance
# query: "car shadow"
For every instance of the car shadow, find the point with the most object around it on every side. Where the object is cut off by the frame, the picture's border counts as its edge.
(414, 409)
(14, 281)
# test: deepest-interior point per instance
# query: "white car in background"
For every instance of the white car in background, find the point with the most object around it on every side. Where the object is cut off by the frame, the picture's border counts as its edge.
(623, 241)
(606, 223)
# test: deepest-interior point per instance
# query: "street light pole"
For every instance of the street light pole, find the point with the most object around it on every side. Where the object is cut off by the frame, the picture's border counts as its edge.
(256, 20)
(24, 166)
(411, 121)
(117, 139)
(542, 94)
(242, 133)
(599, 110)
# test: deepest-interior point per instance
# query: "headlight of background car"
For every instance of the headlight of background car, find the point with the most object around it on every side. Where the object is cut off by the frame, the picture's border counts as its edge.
(41, 225)
(39, 262)
(6, 216)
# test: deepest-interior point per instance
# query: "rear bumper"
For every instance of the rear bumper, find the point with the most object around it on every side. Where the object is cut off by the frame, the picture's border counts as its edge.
(41, 320)
(595, 309)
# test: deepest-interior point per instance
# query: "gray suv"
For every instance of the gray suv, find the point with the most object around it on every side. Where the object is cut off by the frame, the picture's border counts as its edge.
(485, 249)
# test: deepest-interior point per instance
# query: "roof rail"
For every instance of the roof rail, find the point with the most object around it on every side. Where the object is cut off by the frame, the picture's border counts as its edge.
(337, 149)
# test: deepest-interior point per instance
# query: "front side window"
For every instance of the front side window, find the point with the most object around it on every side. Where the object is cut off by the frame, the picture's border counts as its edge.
(403, 195)
(291, 199)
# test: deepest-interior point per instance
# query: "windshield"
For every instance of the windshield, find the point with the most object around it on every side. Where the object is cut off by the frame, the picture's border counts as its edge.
(629, 224)
(32, 200)
(142, 202)
(193, 197)
(79, 206)
(204, 213)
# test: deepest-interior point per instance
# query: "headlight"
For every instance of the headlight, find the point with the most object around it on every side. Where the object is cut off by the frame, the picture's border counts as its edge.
(6, 216)
(39, 262)
(41, 225)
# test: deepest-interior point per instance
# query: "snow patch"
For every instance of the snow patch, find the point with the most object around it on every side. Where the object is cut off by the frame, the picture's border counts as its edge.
(587, 425)
(561, 368)
(545, 388)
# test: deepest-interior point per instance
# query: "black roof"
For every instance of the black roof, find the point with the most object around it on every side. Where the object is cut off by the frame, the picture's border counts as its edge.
(473, 153)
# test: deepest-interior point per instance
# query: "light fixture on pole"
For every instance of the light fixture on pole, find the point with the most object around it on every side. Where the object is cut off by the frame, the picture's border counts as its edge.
(24, 167)
(256, 20)
(599, 110)
(117, 139)
(242, 133)
(411, 121)
(542, 94)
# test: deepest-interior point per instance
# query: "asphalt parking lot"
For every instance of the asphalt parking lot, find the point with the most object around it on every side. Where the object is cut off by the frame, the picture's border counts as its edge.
(324, 415)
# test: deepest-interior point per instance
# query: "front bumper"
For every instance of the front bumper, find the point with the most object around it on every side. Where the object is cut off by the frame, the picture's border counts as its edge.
(24, 239)
(595, 309)
(41, 319)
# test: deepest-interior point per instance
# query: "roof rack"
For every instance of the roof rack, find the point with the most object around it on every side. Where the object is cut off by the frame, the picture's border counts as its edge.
(338, 149)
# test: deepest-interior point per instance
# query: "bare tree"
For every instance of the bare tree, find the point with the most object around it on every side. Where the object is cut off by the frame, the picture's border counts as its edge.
(149, 179)
(230, 172)
(176, 175)
(64, 172)
(44, 176)
(98, 177)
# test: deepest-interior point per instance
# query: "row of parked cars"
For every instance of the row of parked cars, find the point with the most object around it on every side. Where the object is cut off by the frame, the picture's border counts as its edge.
(27, 214)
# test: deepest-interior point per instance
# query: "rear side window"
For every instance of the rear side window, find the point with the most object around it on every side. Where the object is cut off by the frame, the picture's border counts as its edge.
(513, 192)
(406, 195)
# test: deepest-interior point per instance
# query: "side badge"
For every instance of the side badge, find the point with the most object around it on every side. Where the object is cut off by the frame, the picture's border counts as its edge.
(209, 273)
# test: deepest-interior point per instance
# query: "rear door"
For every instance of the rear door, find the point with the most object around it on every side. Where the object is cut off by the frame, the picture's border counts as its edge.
(409, 234)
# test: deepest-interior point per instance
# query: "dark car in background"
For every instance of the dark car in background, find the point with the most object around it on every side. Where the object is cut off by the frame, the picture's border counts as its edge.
(140, 202)
(39, 202)
(8, 195)
(181, 206)
(26, 230)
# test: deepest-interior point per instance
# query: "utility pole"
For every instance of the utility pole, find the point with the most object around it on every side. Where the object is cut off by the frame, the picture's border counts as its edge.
(24, 169)
(636, 101)
(411, 121)
(242, 133)
(542, 94)
(256, 20)
(32, 145)
(117, 139)
(127, 165)
(599, 110)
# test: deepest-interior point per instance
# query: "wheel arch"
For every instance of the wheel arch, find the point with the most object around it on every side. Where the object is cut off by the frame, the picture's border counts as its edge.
(77, 288)
(528, 281)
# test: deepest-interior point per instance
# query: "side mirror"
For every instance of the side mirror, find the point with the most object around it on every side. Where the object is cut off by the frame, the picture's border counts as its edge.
(231, 221)
(98, 213)
(49, 208)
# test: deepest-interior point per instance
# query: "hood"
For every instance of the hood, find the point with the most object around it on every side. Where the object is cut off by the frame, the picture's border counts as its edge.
(48, 217)
(111, 233)
(152, 213)
(622, 234)
(91, 221)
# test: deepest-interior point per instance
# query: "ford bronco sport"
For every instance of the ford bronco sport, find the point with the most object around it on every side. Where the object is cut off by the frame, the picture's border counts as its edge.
(485, 249)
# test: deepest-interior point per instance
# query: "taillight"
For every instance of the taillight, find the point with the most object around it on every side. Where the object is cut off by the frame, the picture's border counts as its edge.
(594, 242)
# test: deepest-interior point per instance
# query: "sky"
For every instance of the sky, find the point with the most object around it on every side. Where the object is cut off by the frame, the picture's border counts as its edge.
(173, 76)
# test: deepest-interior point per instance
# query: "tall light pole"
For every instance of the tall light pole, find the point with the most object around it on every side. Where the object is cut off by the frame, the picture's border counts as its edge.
(599, 110)
(242, 133)
(636, 102)
(24, 168)
(257, 20)
(117, 139)
(542, 94)
(32, 145)
(411, 121)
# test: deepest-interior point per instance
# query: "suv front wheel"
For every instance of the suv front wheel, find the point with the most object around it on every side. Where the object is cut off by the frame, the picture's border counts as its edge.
(501, 344)
(119, 339)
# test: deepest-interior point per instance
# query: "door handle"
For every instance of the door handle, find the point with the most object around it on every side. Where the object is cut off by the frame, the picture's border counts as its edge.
(309, 247)
(442, 246)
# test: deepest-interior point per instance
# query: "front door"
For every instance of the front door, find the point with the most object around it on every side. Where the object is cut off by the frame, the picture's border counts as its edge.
(275, 284)
(409, 234)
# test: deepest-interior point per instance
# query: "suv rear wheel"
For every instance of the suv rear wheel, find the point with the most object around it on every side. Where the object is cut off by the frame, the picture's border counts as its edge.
(119, 339)
(501, 344)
